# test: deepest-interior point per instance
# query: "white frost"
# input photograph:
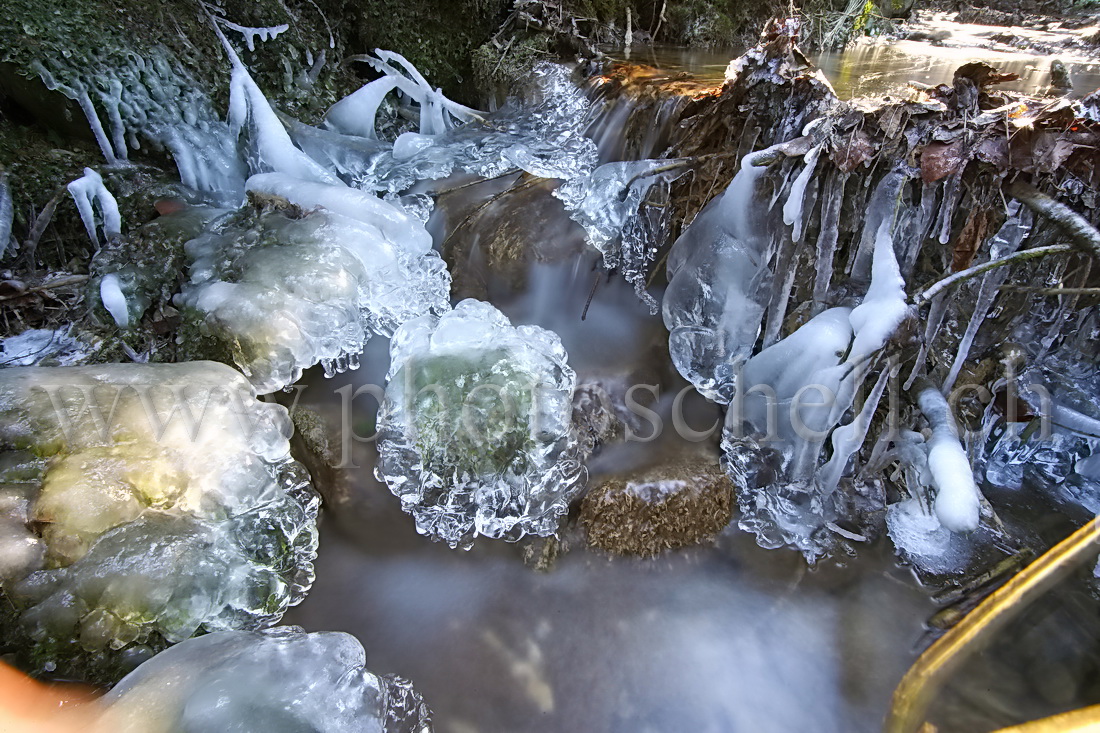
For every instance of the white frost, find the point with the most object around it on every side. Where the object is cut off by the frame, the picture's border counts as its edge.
(958, 501)
(113, 299)
(89, 190)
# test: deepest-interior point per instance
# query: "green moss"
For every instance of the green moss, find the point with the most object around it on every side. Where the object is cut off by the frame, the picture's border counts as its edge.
(77, 37)
(470, 410)
(438, 37)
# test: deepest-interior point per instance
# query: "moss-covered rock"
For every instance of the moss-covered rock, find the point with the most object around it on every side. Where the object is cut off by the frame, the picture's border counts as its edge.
(671, 505)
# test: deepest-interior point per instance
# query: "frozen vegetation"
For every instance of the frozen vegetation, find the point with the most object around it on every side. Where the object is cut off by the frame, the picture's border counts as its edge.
(280, 680)
(143, 504)
(475, 432)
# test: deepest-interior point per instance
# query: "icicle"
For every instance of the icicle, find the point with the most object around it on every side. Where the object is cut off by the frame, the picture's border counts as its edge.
(848, 439)
(882, 206)
(781, 292)
(113, 299)
(958, 501)
(79, 94)
(919, 230)
(88, 190)
(793, 209)
(885, 306)
(112, 101)
(951, 194)
(827, 237)
(250, 34)
(1006, 242)
(356, 114)
(273, 144)
(7, 213)
(936, 311)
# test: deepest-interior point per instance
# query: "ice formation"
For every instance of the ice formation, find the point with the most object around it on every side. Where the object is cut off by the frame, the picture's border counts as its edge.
(475, 432)
(958, 501)
(7, 214)
(356, 113)
(151, 100)
(792, 396)
(606, 203)
(43, 346)
(718, 280)
(114, 300)
(285, 289)
(143, 504)
(540, 132)
(282, 679)
(89, 190)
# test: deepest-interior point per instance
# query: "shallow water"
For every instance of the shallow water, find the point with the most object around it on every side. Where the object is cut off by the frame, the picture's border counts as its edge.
(718, 638)
(876, 67)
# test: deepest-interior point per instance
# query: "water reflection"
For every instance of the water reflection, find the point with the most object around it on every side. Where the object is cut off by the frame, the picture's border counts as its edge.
(881, 67)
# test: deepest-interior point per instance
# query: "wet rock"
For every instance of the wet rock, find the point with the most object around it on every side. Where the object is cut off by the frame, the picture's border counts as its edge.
(668, 506)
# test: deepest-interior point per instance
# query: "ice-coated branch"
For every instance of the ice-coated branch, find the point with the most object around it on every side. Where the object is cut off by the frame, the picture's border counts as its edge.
(1084, 235)
(958, 501)
(955, 278)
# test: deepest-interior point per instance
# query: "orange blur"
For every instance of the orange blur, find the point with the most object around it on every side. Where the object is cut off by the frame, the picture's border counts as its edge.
(30, 706)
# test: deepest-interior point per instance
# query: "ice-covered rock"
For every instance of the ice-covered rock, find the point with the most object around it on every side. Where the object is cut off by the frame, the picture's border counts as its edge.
(279, 680)
(142, 504)
(309, 278)
(475, 432)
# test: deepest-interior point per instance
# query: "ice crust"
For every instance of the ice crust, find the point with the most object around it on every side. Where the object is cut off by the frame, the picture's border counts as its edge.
(278, 680)
(143, 504)
(475, 431)
(287, 290)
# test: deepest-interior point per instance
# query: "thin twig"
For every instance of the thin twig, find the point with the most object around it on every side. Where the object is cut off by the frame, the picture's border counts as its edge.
(1028, 254)
(58, 283)
(30, 244)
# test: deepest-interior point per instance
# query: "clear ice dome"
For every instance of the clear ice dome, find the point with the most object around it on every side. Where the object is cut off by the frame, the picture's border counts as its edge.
(475, 431)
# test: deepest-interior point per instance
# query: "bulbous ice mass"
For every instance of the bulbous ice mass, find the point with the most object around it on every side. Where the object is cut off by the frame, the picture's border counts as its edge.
(284, 289)
(475, 429)
(279, 680)
(141, 504)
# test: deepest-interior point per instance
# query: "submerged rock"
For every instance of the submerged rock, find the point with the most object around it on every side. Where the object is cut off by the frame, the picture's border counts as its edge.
(277, 680)
(142, 504)
(475, 430)
(666, 507)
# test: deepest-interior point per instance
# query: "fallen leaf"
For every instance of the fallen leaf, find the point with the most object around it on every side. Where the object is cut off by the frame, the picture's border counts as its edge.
(939, 160)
